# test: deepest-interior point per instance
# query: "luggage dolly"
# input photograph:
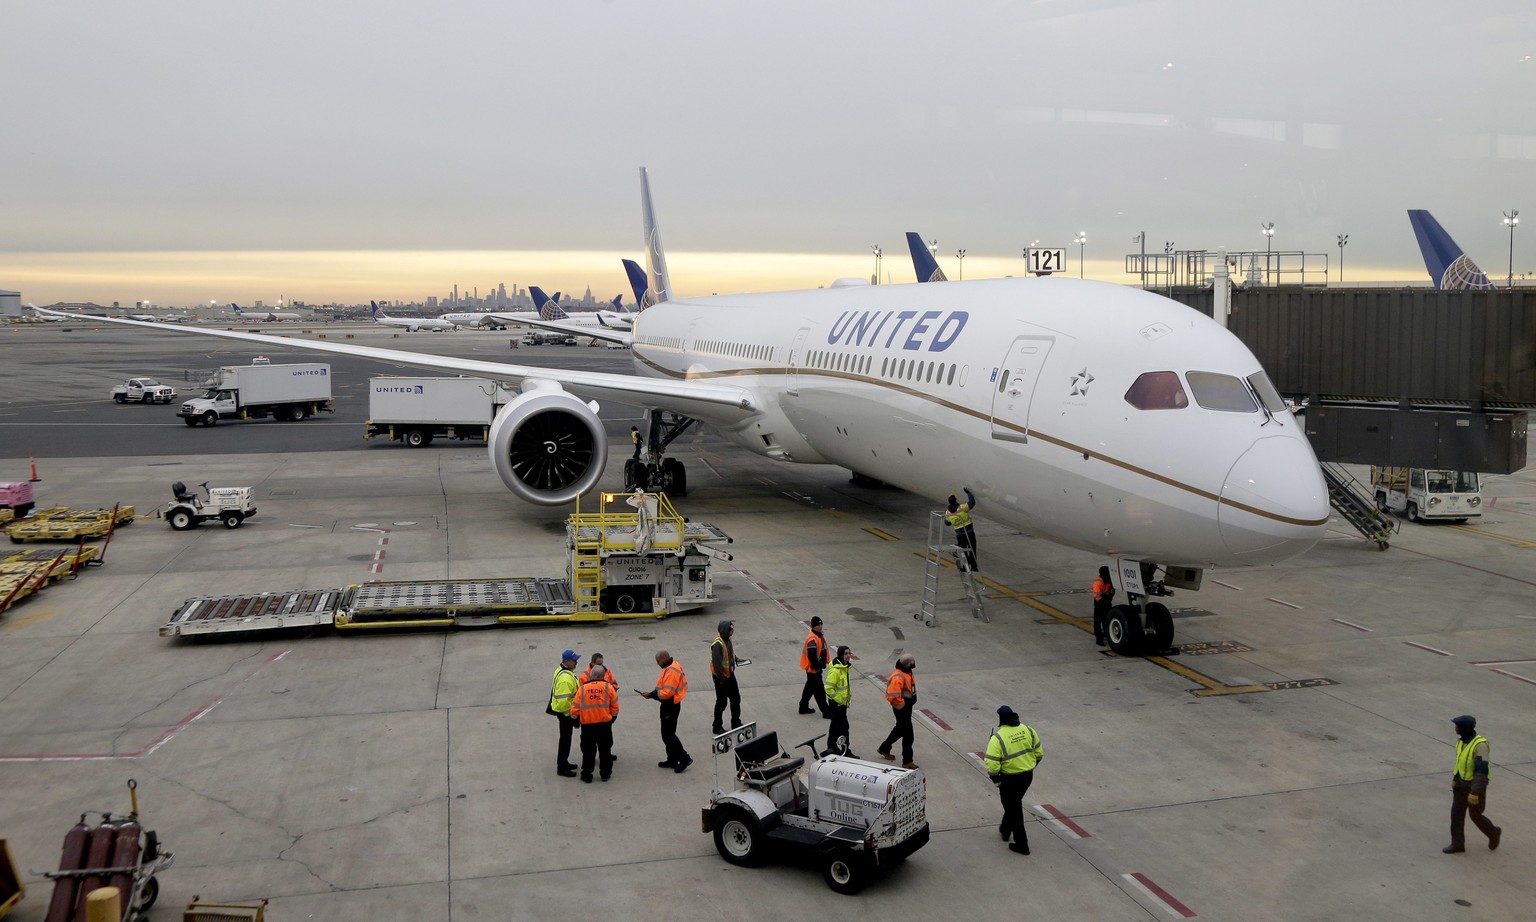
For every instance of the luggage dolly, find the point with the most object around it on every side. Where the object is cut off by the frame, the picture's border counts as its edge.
(116, 853)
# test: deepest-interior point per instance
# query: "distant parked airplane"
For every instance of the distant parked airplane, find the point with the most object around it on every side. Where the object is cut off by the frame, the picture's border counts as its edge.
(264, 316)
(1448, 266)
(412, 324)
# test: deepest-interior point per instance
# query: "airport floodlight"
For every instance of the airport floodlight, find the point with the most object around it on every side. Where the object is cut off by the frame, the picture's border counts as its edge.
(1082, 241)
(1343, 239)
(1512, 218)
(960, 255)
(876, 248)
(933, 247)
(1268, 230)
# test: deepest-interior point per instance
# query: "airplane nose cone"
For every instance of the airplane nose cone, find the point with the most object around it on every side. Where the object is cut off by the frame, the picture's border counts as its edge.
(1274, 504)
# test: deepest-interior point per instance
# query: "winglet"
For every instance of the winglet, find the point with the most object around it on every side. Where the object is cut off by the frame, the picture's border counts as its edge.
(1448, 266)
(923, 260)
(660, 284)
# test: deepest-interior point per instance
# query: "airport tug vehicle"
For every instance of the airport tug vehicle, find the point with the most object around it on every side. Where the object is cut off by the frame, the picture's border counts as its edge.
(230, 505)
(855, 819)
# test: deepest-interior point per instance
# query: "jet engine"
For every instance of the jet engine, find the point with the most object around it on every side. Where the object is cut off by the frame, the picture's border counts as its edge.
(548, 446)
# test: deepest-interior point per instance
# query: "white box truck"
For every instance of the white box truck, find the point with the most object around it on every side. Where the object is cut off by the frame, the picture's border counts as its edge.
(417, 410)
(286, 392)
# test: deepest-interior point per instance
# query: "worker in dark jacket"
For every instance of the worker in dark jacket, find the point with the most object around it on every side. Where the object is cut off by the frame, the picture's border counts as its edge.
(1012, 754)
(1469, 786)
(722, 669)
(959, 518)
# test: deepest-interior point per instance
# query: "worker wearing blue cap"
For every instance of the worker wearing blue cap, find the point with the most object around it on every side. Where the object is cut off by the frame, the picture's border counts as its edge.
(562, 691)
(1012, 754)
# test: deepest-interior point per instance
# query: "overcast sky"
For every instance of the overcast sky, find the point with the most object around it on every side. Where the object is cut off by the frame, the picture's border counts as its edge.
(476, 136)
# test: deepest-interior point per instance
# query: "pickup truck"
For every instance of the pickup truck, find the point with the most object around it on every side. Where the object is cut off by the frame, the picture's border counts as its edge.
(143, 390)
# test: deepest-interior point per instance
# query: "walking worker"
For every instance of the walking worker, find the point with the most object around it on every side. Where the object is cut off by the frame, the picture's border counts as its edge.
(901, 692)
(839, 693)
(597, 707)
(959, 518)
(1012, 754)
(562, 693)
(813, 659)
(722, 669)
(1103, 597)
(671, 688)
(1469, 786)
(634, 436)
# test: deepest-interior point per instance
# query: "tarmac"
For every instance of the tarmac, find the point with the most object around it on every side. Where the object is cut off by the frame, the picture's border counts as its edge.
(1292, 764)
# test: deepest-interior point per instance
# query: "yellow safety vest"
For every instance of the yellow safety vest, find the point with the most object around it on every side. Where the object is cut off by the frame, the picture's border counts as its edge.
(836, 683)
(1464, 761)
(959, 519)
(562, 690)
(1012, 750)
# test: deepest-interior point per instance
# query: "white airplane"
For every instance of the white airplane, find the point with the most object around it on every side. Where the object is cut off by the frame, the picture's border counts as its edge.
(50, 317)
(412, 324)
(265, 316)
(1102, 417)
(143, 318)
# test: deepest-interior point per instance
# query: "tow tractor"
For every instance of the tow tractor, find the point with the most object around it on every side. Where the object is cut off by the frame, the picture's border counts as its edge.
(853, 818)
(230, 505)
(648, 563)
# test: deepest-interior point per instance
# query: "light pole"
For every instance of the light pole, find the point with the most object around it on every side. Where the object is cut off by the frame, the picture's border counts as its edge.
(1512, 217)
(876, 248)
(960, 255)
(1081, 240)
(1168, 252)
(1142, 239)
(1269, 235)
(1343, 239)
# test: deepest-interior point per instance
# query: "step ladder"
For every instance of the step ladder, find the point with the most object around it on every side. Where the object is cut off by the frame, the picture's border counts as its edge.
(587, 569)
(938, 552)
(1356, 505)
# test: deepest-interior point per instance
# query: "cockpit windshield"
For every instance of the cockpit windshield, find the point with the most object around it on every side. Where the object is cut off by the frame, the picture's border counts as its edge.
(1221, 392)
(1157, 390)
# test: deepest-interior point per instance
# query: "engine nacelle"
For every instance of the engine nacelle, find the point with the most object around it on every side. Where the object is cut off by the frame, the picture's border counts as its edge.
(548, 446)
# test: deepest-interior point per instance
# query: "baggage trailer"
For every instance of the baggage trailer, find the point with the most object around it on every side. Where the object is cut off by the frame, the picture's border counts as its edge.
(646, 564)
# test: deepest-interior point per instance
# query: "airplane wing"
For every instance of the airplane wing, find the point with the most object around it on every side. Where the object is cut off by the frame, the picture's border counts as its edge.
(595, 330)
(713, 403)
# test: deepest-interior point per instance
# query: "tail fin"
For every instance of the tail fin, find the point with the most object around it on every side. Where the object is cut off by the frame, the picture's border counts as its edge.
(1448, 266)
(639, 282)
(923, 260)
(236, 308)
(617, 303)
(548, 307)
(659, 283)
(373, 308)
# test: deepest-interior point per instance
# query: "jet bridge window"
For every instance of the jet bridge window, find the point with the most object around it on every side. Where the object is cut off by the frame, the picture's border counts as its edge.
(1221, 392)
(1157, 390)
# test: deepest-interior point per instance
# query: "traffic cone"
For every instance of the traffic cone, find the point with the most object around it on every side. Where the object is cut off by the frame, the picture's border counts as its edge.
(35, 478)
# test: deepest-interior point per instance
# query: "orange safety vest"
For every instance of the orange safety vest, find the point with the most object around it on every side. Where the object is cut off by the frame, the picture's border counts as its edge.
(819, 644)
(596, 703)
(903, 685)
(609, 677)
(672, 685)
(1101, 589)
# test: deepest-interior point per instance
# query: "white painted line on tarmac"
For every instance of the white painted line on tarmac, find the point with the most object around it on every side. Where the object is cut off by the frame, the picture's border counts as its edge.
(1283, 602)
(1158, 895)
(1228, 585)
(1420, 646)
(1358, 627)
(1516, 676)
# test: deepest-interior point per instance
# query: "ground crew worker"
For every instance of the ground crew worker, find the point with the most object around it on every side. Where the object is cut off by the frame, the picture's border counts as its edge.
(597, 707)
(634, 436)
(901, 692)
(597, 660)
(839, 693)
(959, 518)
(1103, 597)
(671, 688)
(1469, 786)
(1012, 754)
(813, 659)
(562, 693)
(722, 669)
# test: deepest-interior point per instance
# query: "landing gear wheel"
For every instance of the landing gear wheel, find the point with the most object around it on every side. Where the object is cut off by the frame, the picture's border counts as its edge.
(738, 837)
(636, 475)
(1413, 512)
(210, 418)
(1160, 623)
(233, 519)
(1123, 630)
(180, 519)
(148, 895)
(846, 872)
(674, 477)
(416, 438)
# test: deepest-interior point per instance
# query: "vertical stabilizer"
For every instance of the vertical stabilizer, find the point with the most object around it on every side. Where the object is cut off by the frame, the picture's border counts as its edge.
(655, 259)
(923, 260)
(640, 283)
(1448, 266)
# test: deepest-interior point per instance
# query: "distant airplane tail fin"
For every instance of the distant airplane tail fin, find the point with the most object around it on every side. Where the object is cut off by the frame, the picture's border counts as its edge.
(658, 282)
(923, 260)
(373, 308)
(617, 303)
(1448, 266)
(547, 306)
(640, 283)
(236, 308)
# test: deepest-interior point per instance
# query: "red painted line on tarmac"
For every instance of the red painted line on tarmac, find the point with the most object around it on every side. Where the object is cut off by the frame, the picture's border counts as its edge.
(1420, 646)
(1282, 602)
(1521, 678)
(935, 718)
(1063, 820)
(1357, 627)
(1145, 884)
(154, 744)
(1498, 662)
(783, 604)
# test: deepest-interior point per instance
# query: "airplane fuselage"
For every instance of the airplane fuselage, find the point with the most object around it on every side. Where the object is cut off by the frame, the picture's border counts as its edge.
(1017, 388)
